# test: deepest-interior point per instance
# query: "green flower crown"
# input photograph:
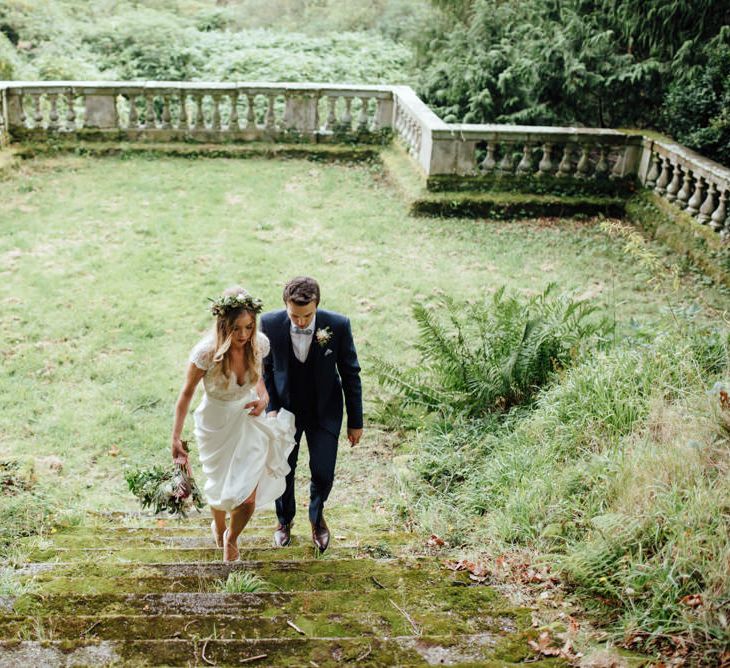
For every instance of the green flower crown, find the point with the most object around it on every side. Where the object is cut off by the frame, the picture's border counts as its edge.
(243, 300)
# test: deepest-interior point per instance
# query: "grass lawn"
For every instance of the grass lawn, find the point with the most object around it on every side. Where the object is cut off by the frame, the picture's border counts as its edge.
(107, 265)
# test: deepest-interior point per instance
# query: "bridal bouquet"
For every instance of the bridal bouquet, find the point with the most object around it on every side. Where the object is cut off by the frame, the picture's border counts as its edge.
(173, 490)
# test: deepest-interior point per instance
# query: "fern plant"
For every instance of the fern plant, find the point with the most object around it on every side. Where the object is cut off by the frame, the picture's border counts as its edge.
(487, 357)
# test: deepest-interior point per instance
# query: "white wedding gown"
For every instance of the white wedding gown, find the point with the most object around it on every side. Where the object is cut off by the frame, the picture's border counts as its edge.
(238, 452)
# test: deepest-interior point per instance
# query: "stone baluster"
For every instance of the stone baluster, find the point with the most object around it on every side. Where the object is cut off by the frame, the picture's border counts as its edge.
(38, 114)
(566, 163)
(362, 119)
(70, 112)
(331, 121)
(199, 118)
(675, 184)
(251, 111)
(717, 221)
(149, 115)
(708, 206)
(506, 163)
(601, 170)
(618, 166)
(416, 138)
(684, 191)
(133, 116)
(653, 173)
(233, 118)
(583, 168)
(693, 206)
(216, 121)
(53, 115)
(410, 135)
(23, 115)
(183, 122)
(347, 116)
(664, 177)
(525, 164)
(545, 166)
(270, 118)
(489, 163)
(166, 116)
(380, 111)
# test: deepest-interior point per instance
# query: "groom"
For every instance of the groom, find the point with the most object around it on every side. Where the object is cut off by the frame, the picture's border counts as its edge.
(311, 365)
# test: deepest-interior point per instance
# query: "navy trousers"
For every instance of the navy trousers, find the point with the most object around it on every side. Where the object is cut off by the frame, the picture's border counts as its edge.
(322, 459)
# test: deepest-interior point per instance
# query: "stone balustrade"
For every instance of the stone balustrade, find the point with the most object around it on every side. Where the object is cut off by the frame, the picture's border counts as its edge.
(200, 111)
(699, 186)
(247, 111)
(523, 150)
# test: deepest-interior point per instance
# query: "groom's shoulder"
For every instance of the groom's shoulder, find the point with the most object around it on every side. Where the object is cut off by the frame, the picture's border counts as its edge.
(272, 317)
(331, 318)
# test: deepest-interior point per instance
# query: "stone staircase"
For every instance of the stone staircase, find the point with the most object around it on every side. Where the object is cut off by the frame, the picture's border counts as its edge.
(133, 590)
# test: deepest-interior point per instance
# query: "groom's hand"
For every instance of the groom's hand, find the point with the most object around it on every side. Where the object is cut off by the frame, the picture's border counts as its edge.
(257, 407)
(354, 435)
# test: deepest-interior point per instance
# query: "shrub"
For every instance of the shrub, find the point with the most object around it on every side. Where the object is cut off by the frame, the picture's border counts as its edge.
(488, 357)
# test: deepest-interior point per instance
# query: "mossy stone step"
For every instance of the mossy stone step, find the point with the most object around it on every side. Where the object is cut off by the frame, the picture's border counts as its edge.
(508, 206)
(476, 650)
(465, 602)
(386, 622)
(200, 537)
(354, 575)
(34, 148)
(146, 555)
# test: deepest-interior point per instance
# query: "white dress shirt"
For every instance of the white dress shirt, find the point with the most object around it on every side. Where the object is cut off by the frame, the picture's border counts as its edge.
(301, 343)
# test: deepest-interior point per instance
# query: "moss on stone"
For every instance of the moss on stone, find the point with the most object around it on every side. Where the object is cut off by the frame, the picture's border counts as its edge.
(121, 149)
(665, 222)
(507, 206)
(534, 185)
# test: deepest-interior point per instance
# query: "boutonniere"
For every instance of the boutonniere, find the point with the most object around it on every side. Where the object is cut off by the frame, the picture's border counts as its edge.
(323, 334)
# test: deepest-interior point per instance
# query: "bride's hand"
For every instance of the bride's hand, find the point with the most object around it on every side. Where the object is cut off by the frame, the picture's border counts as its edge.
(179, 454)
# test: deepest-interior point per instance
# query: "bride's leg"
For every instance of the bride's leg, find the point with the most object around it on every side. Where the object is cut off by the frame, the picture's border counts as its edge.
(239, 519)
(218, 526)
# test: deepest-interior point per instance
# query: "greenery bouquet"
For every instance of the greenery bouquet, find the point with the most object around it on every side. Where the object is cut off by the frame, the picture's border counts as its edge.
(173, 490)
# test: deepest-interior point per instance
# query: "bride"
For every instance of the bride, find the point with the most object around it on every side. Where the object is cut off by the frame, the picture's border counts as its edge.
(242, 452)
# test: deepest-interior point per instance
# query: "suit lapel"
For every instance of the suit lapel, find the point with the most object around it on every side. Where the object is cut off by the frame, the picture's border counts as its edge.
(284, 342)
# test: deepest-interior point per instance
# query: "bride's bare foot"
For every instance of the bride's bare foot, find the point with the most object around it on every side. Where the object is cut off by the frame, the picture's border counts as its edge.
(217, 537)
(230, 549)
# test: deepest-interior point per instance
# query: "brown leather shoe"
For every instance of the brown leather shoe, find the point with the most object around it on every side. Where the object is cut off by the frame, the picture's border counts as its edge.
(321, 535)
(282, 535)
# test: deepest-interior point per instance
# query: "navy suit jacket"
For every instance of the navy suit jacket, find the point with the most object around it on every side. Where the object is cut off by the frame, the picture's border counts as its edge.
(336, 369)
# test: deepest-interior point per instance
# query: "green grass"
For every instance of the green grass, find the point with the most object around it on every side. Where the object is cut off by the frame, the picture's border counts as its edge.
(243, 582)
(107, 266)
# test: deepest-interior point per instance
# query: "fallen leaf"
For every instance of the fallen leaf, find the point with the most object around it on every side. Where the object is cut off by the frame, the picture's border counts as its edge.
(692, 600)
(544, 645)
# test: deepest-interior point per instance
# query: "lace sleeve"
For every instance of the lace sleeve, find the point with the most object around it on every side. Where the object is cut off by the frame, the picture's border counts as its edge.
(264, 344)
(202, 354)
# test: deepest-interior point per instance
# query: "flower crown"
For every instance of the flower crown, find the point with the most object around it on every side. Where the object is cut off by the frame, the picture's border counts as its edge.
(243, 300)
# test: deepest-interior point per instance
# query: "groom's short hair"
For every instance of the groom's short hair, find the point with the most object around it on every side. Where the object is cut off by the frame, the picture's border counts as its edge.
(301, 290)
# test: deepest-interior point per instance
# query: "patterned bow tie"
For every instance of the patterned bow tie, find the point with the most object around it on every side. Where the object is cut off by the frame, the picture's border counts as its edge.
(303, 332)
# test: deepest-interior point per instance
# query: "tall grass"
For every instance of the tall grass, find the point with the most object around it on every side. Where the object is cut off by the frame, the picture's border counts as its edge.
(618, 474)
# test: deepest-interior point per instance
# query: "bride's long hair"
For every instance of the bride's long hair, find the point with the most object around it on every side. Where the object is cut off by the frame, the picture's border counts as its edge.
(224, 334)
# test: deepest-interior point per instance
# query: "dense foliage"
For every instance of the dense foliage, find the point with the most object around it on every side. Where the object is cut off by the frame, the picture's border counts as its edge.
(197, 40)
(601, 63)
(604, 63)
